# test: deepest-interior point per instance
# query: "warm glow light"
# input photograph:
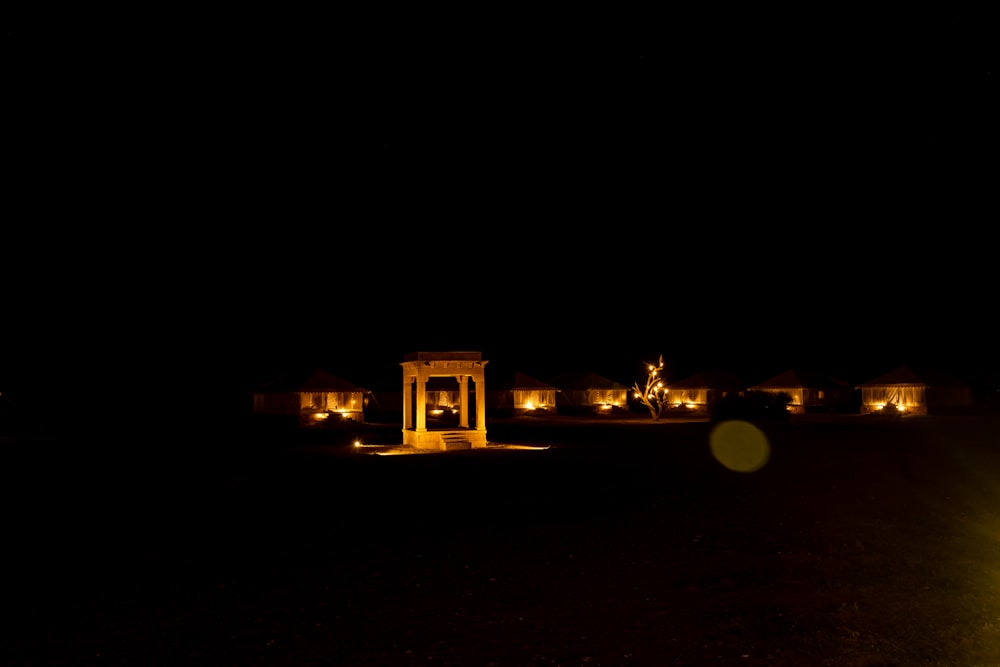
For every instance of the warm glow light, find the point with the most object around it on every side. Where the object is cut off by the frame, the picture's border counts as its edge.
(689, 406)
(437, 412)
(407, 451)
(320, 416)
(899, 407)
(534, 448)
(529, 406)
(357, 443)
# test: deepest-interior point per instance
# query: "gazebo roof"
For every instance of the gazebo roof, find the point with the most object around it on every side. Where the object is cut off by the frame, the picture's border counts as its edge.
(444, 356)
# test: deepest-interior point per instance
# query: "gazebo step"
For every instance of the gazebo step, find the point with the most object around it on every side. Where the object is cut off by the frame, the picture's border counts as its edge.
(455, 441)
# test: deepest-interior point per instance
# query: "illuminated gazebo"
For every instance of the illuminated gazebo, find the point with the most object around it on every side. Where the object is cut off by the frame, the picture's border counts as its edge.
(418, 369)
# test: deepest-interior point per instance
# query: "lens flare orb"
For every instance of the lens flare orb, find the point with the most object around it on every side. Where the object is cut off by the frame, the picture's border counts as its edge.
(739, 446)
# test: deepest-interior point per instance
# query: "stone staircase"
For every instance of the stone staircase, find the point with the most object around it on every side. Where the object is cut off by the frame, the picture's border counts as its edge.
(455, 440)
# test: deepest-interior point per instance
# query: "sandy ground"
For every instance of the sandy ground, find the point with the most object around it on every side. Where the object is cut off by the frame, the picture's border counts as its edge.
(857, 543)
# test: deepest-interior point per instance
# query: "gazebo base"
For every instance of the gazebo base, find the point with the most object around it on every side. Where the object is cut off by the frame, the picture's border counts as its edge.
(445, 440)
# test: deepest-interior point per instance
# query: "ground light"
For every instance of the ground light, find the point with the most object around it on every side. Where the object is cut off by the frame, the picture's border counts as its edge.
(390, 450)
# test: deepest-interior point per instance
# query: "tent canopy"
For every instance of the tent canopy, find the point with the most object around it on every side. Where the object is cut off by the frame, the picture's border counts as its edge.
(315, 379)
(720, 380)
(915, 377)
(579, 381)
(800, 379)
(914, 389)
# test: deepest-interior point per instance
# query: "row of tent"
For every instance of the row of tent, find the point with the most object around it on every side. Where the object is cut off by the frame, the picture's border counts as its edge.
(317, 395)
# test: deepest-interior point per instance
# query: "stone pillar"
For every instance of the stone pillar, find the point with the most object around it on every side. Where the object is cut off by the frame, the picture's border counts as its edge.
(421, 404)
(463, 400)
(480, 402)
(407, 403)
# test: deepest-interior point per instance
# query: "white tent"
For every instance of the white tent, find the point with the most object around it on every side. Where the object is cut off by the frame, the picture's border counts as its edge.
(590, 391)
(912, 390)
(699, 392)
(807, 390)
(312, 396)
(524, 393)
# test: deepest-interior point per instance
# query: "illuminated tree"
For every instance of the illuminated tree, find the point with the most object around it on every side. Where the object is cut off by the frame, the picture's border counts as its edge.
(654, 395)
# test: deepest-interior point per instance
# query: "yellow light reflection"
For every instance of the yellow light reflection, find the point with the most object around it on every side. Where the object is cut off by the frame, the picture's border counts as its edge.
(739, 446)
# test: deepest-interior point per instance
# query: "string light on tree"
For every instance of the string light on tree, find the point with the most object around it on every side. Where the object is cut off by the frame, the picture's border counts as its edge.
(654, 395)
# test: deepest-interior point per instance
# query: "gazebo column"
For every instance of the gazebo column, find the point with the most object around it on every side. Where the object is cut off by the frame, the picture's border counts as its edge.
(421, 404)
(463, 400)
(480, 401)
(407, 403)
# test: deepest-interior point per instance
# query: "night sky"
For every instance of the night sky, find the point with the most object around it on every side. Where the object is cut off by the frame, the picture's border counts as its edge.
(200, 202)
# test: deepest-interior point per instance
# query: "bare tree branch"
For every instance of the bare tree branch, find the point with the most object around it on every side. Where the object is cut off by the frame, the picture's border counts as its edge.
(654, 395)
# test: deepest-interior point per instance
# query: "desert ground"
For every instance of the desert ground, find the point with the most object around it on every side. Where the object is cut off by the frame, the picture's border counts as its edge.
(858, 543)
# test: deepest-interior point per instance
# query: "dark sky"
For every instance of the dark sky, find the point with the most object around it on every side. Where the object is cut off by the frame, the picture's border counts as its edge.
(208, 199)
